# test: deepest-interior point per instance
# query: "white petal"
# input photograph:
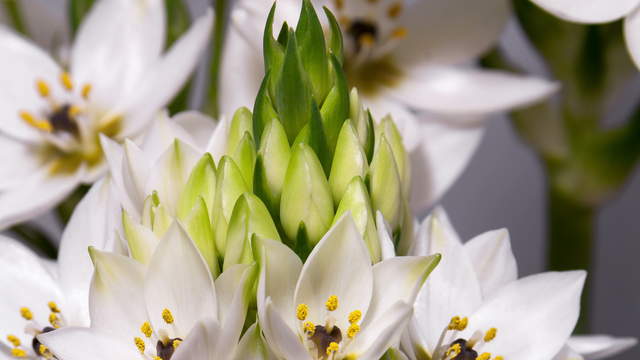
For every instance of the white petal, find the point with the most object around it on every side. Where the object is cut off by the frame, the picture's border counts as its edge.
(251, 346)
(547, 302)
(588, 11)
(179, 280)
(117, 296)
(567, 353)
(197, 125)
(450, 31)
(632, 36)
(37, 194)
(493, 260)
(163, 131)
(46, 23)
(201, 343)
(18, 159)
(594, 347)
(339, 265)
(91, 224)
(281, 338)
(384, 235)
(217, 145)
(74, 343)
(465, 92)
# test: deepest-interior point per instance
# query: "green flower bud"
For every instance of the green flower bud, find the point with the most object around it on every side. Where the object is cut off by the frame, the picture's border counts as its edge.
(313, 53)
(198, 226)
(241, 123)
(201, 185)
(274, 154)
(245, 157)
(385, 183)
(391, 133)
(141, 240)
(349, 161)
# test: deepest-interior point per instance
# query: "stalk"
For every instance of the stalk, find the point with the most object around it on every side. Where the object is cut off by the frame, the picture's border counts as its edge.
(36, 238)
(211, 105)
(15, 15)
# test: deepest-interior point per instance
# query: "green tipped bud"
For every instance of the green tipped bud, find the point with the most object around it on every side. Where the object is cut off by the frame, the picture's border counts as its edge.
(274, 156)
(356, 200)
(201, 184)
(162, 220)
(198, 226)
(245, 157)
(349, 161)
(230, 185)
(250, 216)
(391, 133)
(140, 239)
(306, 196)
(313, 53)
(363, 122)
(241, 123)
(385, 183)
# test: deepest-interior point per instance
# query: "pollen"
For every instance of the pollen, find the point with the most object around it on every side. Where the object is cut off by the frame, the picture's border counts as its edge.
(176, 343)
(66, 81)
(484, 356)
(333, 347)
(53, 307)
(454, 350)
(498, 358)
(309, 328)
(399, 32)
(35, 122)
(13, 340)
(86, 91)
(167, 316)
(146, 329)
(26, 313)
(490, 334)
(453, 323)
(54, 320)
(353, 330)
(394, 10)
(43, 88)
(302, 311)
(19, 353)
(463, 324)
(366, 39)
(355, 316)
(139, 344)
(332, 303)
(74, 110)
(42, 349)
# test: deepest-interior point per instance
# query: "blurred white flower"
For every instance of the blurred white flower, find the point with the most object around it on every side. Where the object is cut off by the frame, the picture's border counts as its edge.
(170, 310)
(594, 347)
(407, 58)
(41, 295)
(117, 81)
(337, 305)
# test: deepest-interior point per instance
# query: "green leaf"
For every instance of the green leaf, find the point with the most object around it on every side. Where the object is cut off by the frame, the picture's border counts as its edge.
(385, 185)
(313, 52)
(335, 109)
(273, 52)
(349, 161)
(263, 111)
(271, 166)
(201, 184)
(335, 40)
(199, 228)
(241, 123)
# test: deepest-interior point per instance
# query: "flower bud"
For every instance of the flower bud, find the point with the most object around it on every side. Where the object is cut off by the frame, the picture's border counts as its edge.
(198, 226)
(201, 185)
(274, 156)
(141, 240)
(385, 183)
(391, 133)
(241, 123)
(245, 157)
(349, 161)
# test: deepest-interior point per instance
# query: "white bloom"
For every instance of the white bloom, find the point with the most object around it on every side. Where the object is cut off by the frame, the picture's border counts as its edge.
(407, 58)
(40, 295)
(601, 11)
(594, 347)
(337, 305)
(118, 79)
(170, 310)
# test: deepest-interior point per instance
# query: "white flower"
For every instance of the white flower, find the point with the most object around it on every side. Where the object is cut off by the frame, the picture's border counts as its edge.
(118, 79)
(410, 59)
(593, 347)
(169, 310)
(40, 295)
(337, 305)
(598, 12)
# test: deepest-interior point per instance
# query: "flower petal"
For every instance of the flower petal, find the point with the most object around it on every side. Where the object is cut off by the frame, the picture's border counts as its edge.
(197, 125)
(594, 347)
(280, 337)
(217, 145)
(384, 235)
(74, 343)
(339, 265)
(18, 161)
(201, 343)
(493, 260)
(251, 346)
(178, 280)
(588, 11)
(631, 30)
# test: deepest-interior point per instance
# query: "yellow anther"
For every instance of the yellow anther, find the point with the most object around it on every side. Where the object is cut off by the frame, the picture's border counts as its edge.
(167, 316)
(463, 324)
(332, 303)
(42, 349)
(53, 307)
(139, 344)
(498, 358)
(355, 316)
(353, 330)
(453, 323)
(146, 329)
(19, 353)
(54, 320)
(26, 313)
(66, 81)
(176, 343)
(339, 4)
(35, 122)
(366, 39)
(490, 334)
(394, 10)
(157, 358)
(454, 350)
(13, 340)
(43, 88)
(74, 110)
(484, 356)
(86, 91)
(302, 311)
(399, 32)
(333, 347)
(309, 328)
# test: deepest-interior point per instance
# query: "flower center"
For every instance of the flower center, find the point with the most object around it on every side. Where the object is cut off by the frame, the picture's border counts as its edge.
(327, 340)
(165, 346)
(33, 328)
(460, 348)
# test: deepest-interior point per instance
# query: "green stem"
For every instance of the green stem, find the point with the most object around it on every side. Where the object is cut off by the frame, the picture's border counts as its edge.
(13, 10)
(36, 238)
(66, 207)
(570, 241)
(77, 10)
(211, 105)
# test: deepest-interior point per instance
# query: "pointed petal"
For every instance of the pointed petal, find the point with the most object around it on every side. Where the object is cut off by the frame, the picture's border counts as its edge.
(201, 343)
(18, 161)
(217, 145)
(74, 343)
(588, 11)
(179, 280)
(197, 125)
(384, 235)
(281, 338)
(251, 346)
(631, 34)
(493, 260)
(567, 353)
(594, 347)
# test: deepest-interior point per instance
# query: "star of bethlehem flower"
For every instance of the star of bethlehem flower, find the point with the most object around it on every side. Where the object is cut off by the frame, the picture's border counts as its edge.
(170, 309)
(117, 80)
(40, 295)
(412, 59)
(474, 306)
(599, 12)
(336, 305)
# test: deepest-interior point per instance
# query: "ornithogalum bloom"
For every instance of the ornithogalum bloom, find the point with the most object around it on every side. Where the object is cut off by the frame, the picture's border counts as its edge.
(117, 79)
(337, 305)
(410, 59)
(41, 295)
(169, 310)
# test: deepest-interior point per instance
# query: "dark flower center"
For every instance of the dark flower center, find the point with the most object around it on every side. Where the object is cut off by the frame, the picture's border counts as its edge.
(322, 338)
(61, 119)
(165, 350)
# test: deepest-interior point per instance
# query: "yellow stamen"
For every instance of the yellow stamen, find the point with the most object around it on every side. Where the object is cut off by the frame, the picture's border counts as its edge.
(453, 323)
(399, 32)
(43, 88)
(139, 344)
(26, 313)
(333, 347)
(484, 356)
(498, 358)
(454, 350)
(332, 303)
(366, 39)
(302, 311)
(53, 307)
(42, 349)
(167, 316)
(462, 324)
(54, 320)
(157, 358)
(176, 343)
(394, 10)
(353, 330)
(19, 353)
(86, 91)
(339, 4)
(13, 340)
(355, 316)
(74, 110)
(490, 334)
(36, 123)
(66, 81)
(309, 328)
(146, 329)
